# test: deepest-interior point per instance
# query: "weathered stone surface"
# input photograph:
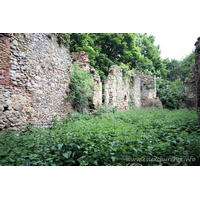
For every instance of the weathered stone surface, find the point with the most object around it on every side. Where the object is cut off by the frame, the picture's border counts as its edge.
(120, 91)
(37, 78)
(190, 93)
(19, 123)
(22, 54)
(18, 107)
(14, 42)
(7, 94)
(12, 120)
(25, 81)
(2, 126)
(9, 102)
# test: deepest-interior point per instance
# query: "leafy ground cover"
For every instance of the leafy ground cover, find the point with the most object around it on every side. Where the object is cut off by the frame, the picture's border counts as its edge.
(145, 137)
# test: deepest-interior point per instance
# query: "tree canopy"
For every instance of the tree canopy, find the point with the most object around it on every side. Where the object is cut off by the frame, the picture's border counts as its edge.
(180, 69)
(105, 49)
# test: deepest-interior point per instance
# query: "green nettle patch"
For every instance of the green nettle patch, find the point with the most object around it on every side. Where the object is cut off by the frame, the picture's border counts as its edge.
(145, 137)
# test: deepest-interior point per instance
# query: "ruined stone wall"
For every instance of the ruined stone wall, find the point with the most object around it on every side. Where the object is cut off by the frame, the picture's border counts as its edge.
(135, 90)
(148, 90)
(116, 89)
(120, 90)
(83, 62)
(34, 79)
(4, 77)
(197, 65)
(190, 92)
(38, 75)
(190, 88)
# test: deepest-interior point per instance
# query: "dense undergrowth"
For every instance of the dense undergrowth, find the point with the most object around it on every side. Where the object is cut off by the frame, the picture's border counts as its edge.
(145, 137)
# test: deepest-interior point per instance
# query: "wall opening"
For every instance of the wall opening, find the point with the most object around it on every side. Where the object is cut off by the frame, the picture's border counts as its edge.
(125, 98)
(5, 108)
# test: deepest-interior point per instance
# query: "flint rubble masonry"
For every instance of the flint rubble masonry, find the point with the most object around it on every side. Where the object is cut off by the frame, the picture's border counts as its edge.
(36, 75)
(34, 79)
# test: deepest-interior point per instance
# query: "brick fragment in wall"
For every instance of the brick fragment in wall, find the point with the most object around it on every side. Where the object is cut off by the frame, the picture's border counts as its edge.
(4, 60)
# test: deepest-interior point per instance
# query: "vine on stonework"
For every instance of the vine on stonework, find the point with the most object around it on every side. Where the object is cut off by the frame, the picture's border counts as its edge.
(63, 38)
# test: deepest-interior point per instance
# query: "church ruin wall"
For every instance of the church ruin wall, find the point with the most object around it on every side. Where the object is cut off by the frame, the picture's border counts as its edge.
(121, 90)
(34, 79)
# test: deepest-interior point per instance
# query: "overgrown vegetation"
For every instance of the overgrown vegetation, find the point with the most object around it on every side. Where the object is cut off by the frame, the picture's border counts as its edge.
(170, 93)
(64, 38)
(131, 103)
(135, 137)
(49, 36)
(81, 88)
(180, 69)
(145, 137)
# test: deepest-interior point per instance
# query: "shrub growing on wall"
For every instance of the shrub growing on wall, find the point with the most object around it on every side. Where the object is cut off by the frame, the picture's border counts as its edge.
(81, 88)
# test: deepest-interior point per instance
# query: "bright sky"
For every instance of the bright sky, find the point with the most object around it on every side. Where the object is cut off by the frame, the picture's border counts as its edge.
(175, 24)
(176, 45)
